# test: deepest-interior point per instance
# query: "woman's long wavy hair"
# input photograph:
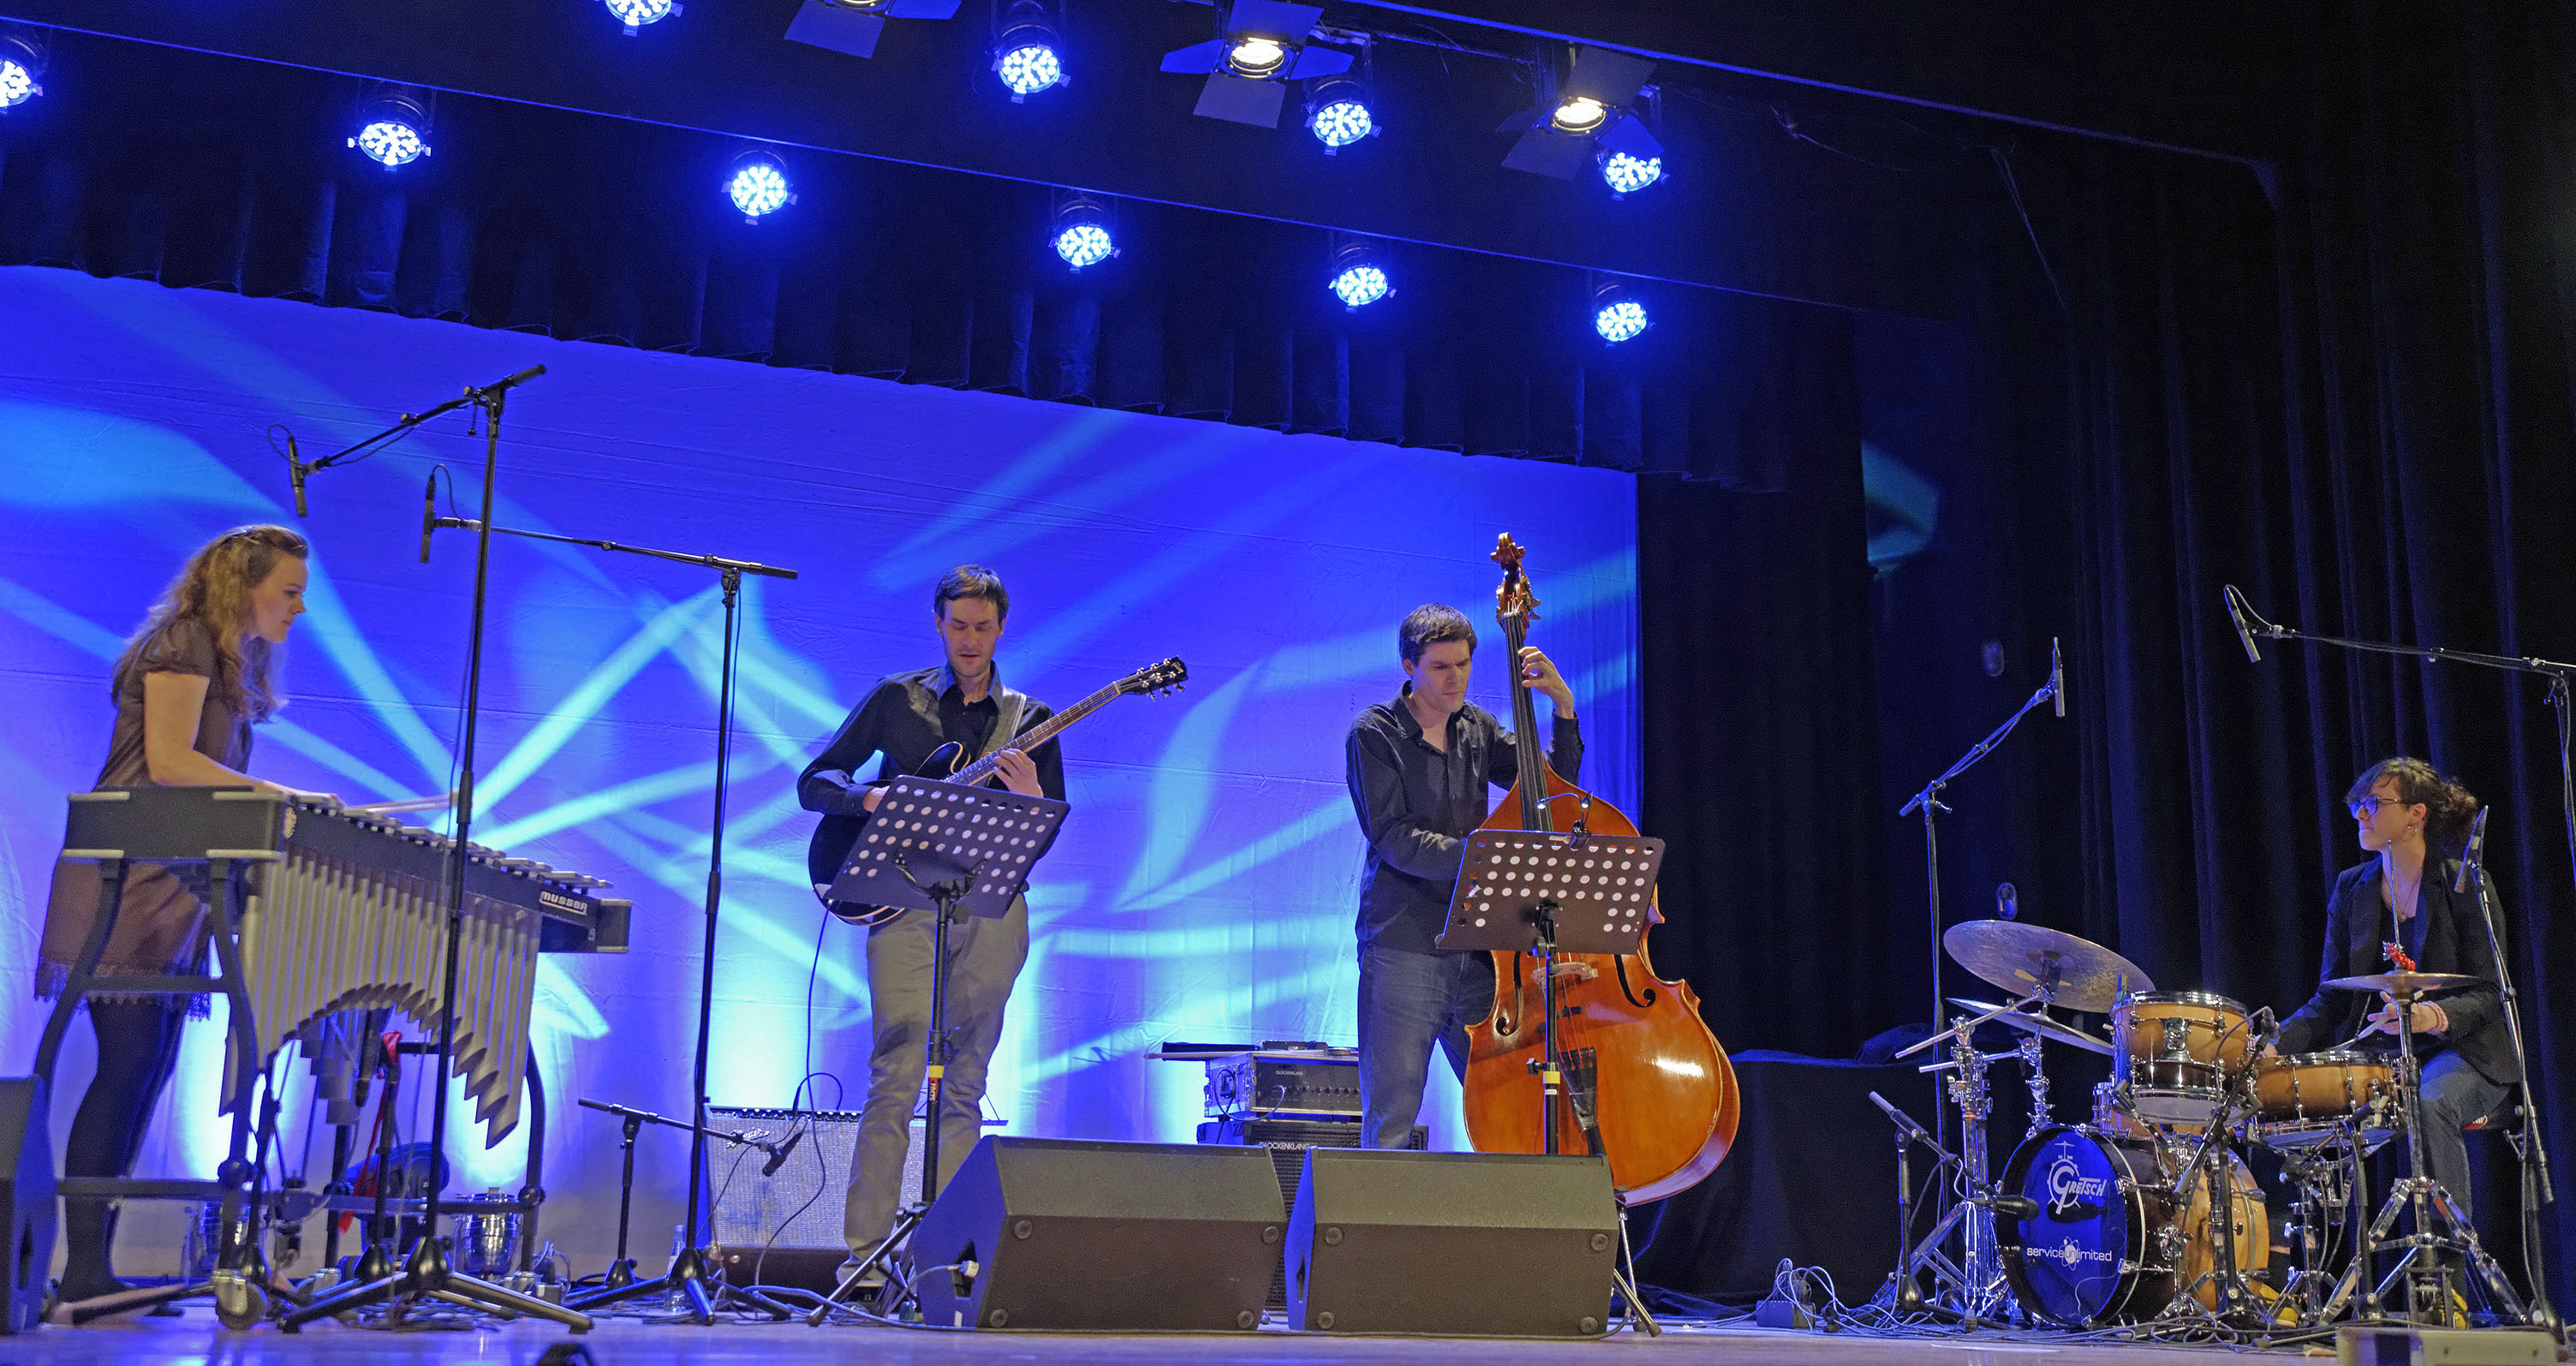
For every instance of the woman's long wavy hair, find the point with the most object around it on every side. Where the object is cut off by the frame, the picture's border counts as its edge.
(214, 588)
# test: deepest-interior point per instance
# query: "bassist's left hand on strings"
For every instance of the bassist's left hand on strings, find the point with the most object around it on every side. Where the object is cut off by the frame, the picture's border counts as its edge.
(1543, 677)
(1018, 772)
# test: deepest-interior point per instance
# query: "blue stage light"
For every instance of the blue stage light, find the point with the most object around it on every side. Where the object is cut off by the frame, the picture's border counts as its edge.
(1084, 244)
(1618, 319)
(1625, 174)
(390, 141)
(1081, 230)
(1360, 285)
(757, 185)
(17, 83)
(1028, 69)
(635, 14)
(1341, 123)
(22, 65)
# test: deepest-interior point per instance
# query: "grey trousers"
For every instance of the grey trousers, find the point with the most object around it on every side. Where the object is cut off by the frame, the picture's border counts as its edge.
(984, 959)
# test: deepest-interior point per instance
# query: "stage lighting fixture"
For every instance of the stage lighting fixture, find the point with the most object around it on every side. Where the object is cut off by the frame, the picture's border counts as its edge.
(635, 14)
(1337, 112)
(852, 27)
(22, 66)
(1263, 46)
(1359, 274)
(1617, 313)
(393, 127)
(1591, 114)
(757, 185)
(1625, 175)
(1024, 52)
(1082, 231)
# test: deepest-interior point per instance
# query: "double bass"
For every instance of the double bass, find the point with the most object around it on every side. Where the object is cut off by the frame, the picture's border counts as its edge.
(1645, 1082)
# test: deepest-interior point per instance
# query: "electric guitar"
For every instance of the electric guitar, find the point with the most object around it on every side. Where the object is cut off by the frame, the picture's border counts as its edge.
(949, 763)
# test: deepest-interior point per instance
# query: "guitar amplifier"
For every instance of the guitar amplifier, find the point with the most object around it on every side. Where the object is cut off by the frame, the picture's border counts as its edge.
(1308, 1084)
(786, 1222)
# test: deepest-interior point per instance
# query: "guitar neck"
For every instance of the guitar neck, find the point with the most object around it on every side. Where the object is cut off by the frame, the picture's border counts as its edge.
(1036, 735)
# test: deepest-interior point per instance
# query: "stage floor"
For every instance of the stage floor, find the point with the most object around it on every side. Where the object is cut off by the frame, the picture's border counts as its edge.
(196, 1338)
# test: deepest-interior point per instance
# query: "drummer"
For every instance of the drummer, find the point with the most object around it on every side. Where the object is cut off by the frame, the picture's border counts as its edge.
(2413, 821)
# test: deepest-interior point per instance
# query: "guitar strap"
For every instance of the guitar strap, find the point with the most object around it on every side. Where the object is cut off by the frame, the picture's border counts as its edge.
(1006, 727)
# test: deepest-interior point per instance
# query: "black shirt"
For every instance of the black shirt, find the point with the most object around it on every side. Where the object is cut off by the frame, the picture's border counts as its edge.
(906, 717)
(1416, 804)
(2447, 933)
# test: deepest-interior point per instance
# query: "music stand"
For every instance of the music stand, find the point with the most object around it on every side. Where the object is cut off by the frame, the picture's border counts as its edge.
(1543, 893)
(953, 850)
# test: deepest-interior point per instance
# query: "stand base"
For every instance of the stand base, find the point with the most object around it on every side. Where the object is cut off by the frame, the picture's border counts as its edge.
(427, 1275)
(881, 1259)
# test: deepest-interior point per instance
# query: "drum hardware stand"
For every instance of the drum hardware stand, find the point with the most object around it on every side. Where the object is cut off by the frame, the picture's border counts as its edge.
(2435, 1223)
(1518, 912)
(621, 1271)
(1975, 1286)
(2035, 1076)
(938, 843)
(2325, 1187)
(1928, 802)
(2210, 1168)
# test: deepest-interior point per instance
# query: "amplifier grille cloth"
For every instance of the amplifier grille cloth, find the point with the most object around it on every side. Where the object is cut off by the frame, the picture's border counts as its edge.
(750, 1207)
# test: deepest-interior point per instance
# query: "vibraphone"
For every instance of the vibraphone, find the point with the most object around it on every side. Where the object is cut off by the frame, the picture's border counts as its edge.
(319, 910)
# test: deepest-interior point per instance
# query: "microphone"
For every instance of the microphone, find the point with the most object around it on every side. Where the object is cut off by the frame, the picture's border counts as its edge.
(2470, 862)
(2237, 612)
(778, 1158)
(2056, 677)
(428, 515)
(2007, 901)
(296, 469)
(2013, 1206)
(1906, 1122)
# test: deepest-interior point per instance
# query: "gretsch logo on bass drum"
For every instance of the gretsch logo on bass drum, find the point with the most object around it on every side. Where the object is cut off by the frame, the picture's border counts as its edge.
(2070, 1190)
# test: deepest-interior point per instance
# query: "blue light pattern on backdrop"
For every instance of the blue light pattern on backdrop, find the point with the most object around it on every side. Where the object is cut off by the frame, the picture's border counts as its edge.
(1204, 887)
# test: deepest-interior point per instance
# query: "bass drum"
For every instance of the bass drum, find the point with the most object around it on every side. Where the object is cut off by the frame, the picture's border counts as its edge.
(2109, 1244)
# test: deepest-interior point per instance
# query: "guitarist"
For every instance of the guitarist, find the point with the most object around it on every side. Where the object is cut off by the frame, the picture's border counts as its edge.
(906, 717)
(1417, 769)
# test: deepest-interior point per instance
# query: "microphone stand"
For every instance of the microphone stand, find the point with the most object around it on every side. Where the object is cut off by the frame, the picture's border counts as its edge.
(1928, 801)
(688, 1271)
(298, 470)
(620, 1279)
(2534, 1158)
(426, 1273)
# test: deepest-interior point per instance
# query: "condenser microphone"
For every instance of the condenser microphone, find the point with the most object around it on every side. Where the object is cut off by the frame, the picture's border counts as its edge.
(2056, 677)
(2470, 862)
(2014, 1206)
(2007, 901)
(428, 514)
(2237, 611)
(1905, 1122)
(295, 472)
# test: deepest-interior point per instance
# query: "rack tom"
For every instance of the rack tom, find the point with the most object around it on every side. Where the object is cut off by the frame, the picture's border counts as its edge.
(2177, 1052)
(2308, 1100)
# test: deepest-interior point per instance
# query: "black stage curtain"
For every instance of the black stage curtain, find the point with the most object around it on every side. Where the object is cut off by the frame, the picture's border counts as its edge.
(2344, 384)
(196, 170)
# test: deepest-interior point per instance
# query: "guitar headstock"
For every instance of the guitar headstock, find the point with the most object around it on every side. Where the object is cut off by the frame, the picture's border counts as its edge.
(1161, 678)
(1513, 601)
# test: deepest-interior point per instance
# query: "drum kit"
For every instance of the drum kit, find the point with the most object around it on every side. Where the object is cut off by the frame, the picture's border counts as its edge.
(2114, 1220)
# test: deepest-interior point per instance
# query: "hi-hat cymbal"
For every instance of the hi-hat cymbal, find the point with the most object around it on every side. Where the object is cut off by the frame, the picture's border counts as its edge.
(2041, 1025)
(2059, 968)
(2403, 983)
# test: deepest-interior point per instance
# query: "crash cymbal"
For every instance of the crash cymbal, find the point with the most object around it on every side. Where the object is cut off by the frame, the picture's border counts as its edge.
(2041, 1025)
(2026, 959)
(2403, 983)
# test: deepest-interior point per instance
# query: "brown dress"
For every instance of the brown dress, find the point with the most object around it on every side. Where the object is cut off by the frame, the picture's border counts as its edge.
(160, 923)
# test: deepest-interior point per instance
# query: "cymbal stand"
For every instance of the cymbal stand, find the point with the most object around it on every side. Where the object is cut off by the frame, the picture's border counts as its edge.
(1971, 1289)
(2435, 1224)
(2325, 1178)
(2035, 1075)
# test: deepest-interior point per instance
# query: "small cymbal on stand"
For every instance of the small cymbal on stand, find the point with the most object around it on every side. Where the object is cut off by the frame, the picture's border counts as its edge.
(2058, 968)
(2041, 1025)
(2403, 983)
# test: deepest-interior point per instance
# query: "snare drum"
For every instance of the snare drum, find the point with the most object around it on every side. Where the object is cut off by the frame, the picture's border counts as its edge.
(2178, 1051)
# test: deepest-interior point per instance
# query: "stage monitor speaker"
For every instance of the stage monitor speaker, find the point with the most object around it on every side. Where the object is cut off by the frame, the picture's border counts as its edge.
(1109, 1236)
(1452, 1244)
(26, 1201)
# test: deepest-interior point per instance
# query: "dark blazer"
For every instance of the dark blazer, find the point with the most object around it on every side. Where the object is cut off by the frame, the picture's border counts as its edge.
(2454, 939)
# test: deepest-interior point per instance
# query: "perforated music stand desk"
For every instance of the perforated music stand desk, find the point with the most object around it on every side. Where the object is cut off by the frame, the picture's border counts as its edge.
(942, 833)
(1600, 892)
